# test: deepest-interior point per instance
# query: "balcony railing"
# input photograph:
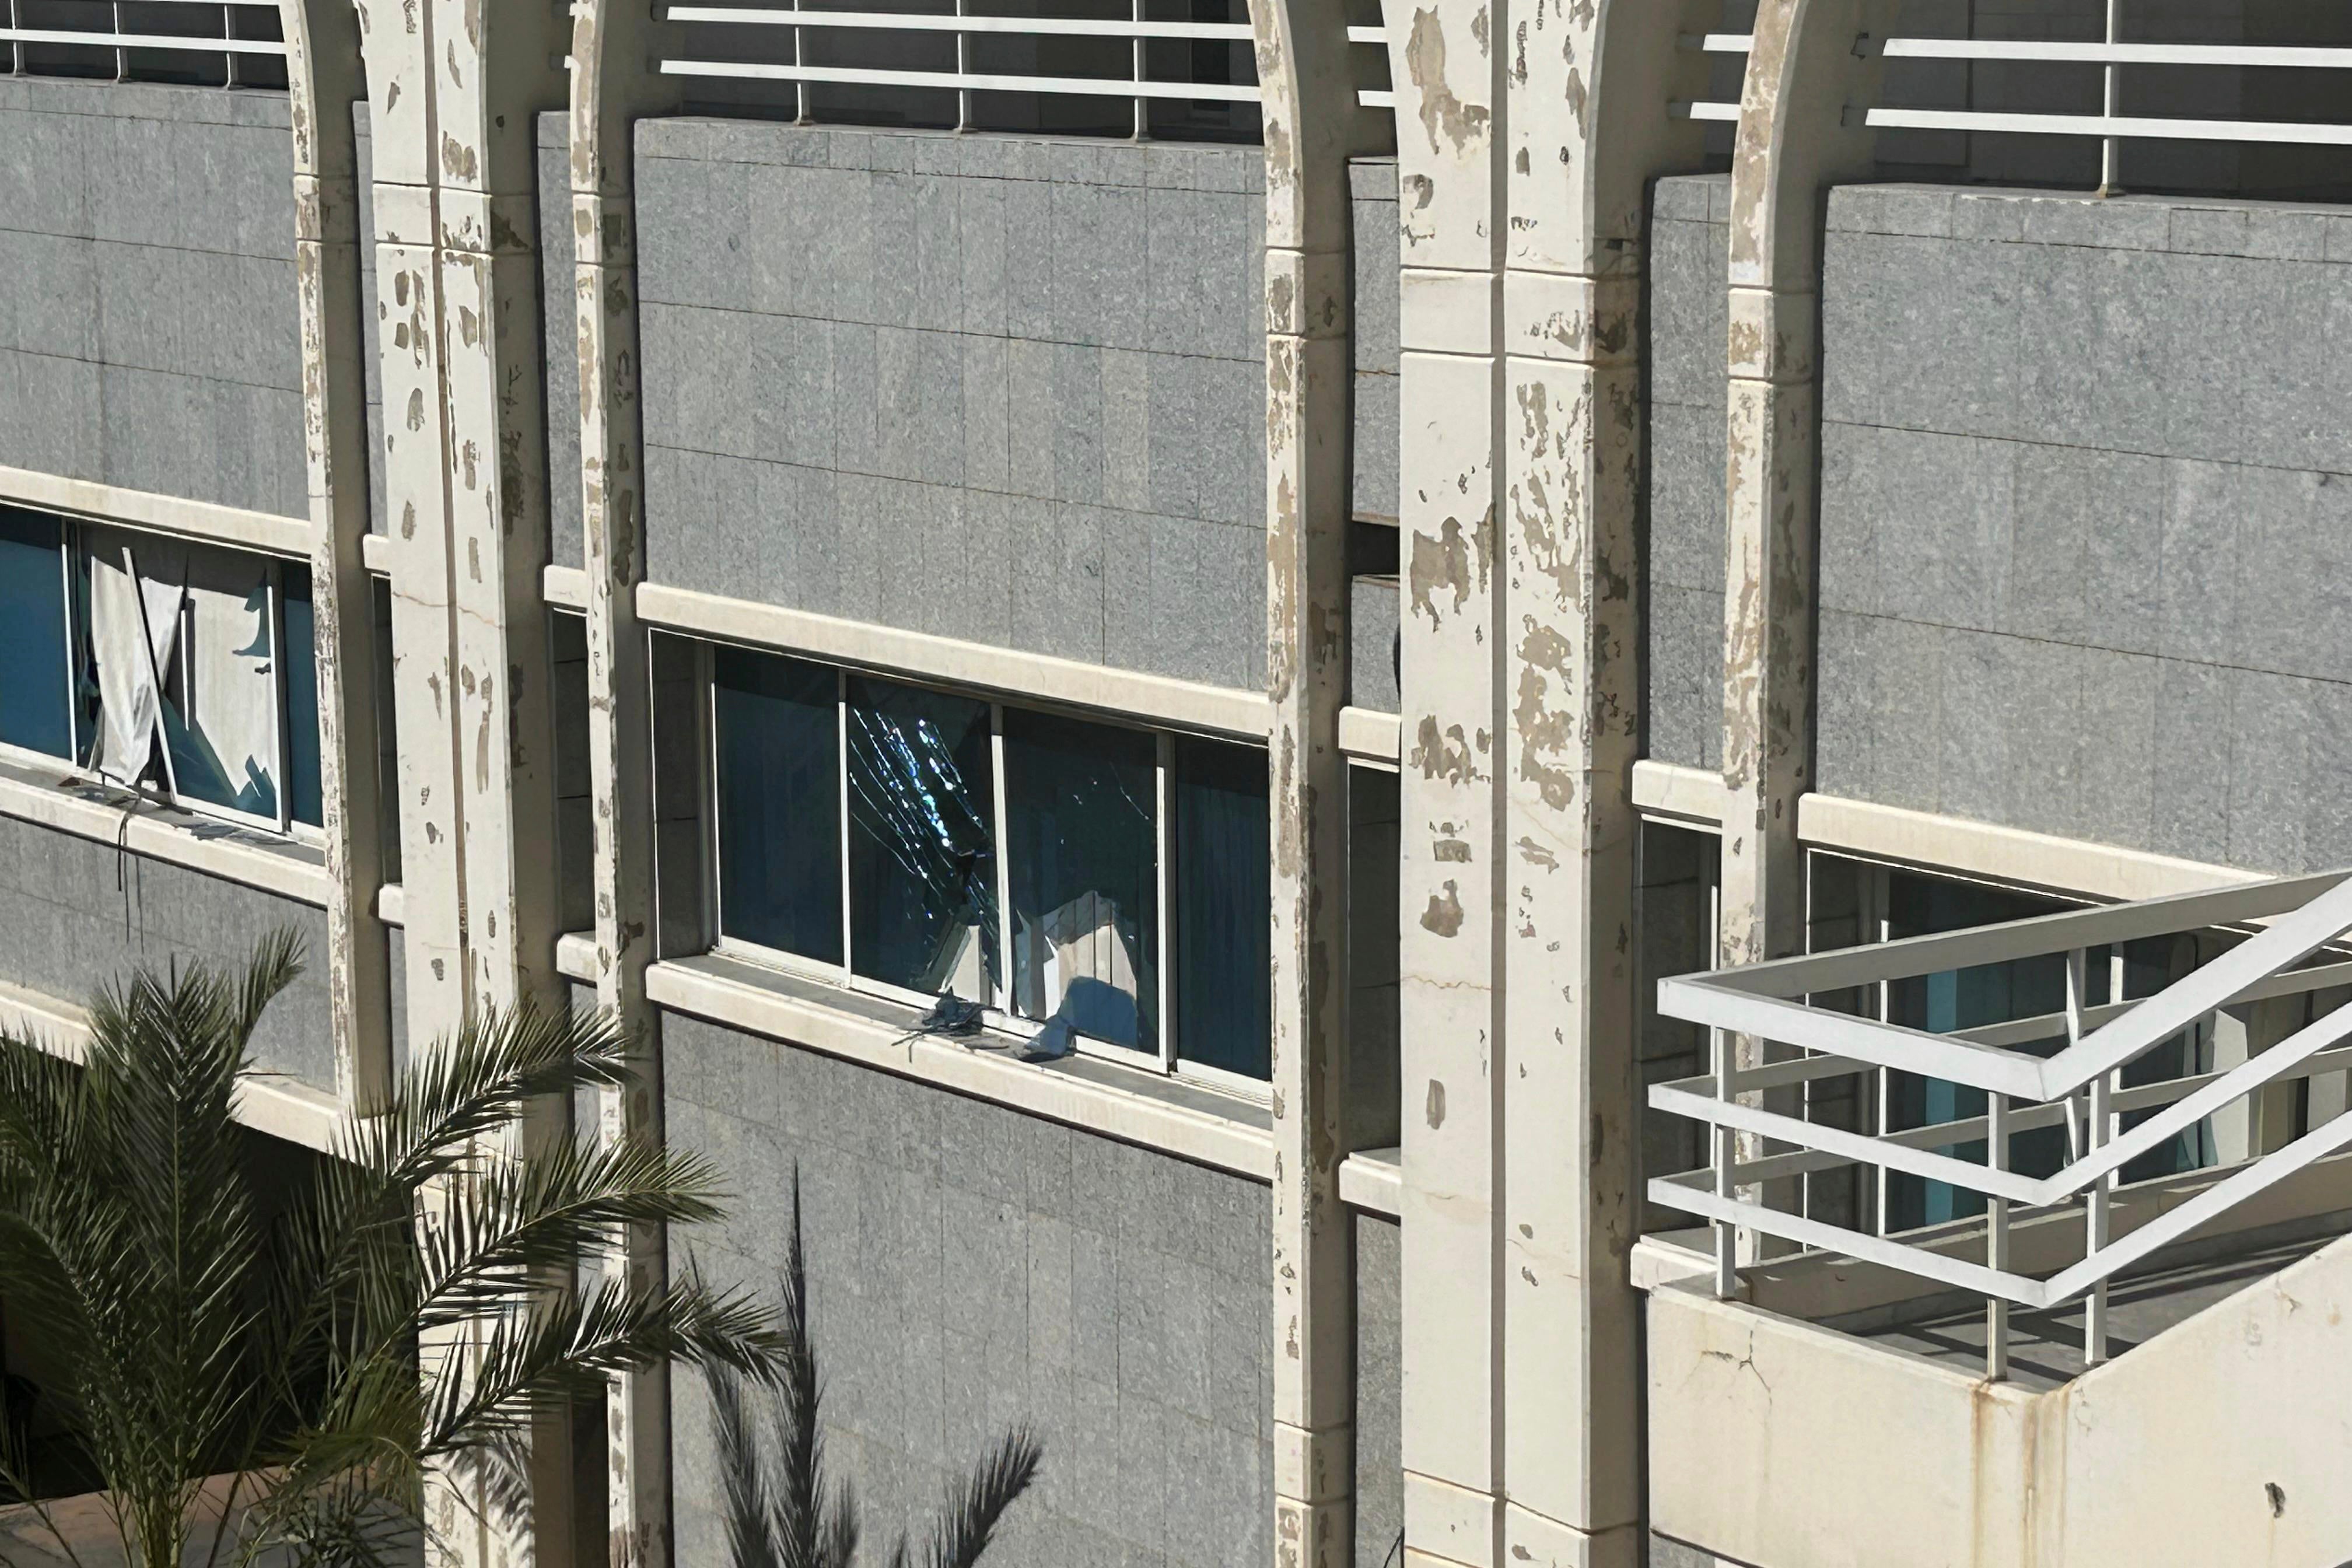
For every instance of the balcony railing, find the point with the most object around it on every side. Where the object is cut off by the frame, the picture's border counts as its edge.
(1793, 1041)
(223, 43)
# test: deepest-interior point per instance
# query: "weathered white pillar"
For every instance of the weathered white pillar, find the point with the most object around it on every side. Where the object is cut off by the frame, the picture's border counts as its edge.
(1310, 117)
(1588, 127)
(455, 87)
(1813, 71)
(610, 89)
(323, 79)
(1446, 63)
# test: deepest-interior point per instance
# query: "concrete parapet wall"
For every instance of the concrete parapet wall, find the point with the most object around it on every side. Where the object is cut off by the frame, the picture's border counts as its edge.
(2086, 522)
(970, 1267)
(79, 915)
(148, 330)
(1001, 389)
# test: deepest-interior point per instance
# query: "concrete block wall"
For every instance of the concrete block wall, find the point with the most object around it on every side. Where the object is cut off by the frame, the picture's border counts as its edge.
(2086, 539)
(561, 330)
(1689, 329)
(80, 915)
(149, 334)
(970, 1267)
(1379, 1390)
(1005, 390)
(1379, 258)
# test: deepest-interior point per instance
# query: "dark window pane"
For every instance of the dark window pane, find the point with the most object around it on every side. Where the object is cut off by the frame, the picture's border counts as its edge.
(923, 860)
(1223, 906)
(779, 803)
(1081, 841)
(33, 697)
(301, 698)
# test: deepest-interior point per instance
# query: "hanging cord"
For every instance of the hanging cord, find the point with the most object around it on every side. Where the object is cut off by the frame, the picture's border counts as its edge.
(1395, 1552)
(951, 1018)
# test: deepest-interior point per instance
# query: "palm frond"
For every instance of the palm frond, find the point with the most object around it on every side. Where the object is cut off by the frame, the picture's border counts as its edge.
(964, 1531)
(750, 1543)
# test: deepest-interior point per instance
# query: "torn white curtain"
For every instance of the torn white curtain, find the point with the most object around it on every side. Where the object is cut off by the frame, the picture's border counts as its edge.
(185, 646)
(1089, 970)
(135, 591)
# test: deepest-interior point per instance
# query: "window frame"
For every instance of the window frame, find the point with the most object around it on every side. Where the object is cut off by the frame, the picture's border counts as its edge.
(164, 789)
(1168, 1059)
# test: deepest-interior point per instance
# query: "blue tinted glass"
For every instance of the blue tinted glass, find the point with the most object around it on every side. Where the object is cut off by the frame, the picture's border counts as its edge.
(1223, 906)
(1081, 835)
(33, 697)
(301, 696)
(779, 803)
(922, 858)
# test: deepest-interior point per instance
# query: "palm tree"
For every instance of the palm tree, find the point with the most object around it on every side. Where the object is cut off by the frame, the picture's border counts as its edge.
(245, 1366)
(787, 1514)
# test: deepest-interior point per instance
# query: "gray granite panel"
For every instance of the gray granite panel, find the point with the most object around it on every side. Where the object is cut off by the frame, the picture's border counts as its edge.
(150, 336)
(1379, 1380)
(971, 1268)
(1032, 371)
(81, 916)
(2085, 533)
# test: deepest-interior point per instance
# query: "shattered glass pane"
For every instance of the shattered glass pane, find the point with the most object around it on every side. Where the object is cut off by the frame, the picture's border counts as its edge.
(1082, 842)
(1224, 874)
(779, 744)
(922, 858)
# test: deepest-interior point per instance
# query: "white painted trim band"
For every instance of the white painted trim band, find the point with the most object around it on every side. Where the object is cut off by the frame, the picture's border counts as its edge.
(286, 536)
(1689, 794)
(160, 833)
(1169, 1115)
(1130, 694)
(1373, 1180)
(295, 1112)
(1369, 736)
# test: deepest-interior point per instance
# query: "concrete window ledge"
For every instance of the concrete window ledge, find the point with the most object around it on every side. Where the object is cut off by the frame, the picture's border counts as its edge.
(277, 1106)
(1373, 1180)
(1169, 1115)
(53, 798)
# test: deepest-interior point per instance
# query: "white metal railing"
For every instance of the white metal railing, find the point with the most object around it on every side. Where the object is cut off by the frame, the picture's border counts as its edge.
(246, 29)
(2080, 1087)
(2110, 126)
(796, 24)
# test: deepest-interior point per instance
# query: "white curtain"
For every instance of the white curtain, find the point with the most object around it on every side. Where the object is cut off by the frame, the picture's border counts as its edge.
(135, 590)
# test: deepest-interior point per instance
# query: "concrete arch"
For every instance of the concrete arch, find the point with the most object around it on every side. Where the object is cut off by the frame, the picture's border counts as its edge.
(1527, 143)
(324, 82)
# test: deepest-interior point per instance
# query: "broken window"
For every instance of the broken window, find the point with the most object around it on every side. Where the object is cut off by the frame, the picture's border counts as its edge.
(923, 844)
(182, 670)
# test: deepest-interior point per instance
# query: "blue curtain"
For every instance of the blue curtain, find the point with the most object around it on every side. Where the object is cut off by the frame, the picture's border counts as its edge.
(779, 744)
(1223, 904)
(34, 699)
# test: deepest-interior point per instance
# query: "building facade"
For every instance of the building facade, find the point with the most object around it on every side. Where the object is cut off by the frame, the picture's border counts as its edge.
(1302, 558)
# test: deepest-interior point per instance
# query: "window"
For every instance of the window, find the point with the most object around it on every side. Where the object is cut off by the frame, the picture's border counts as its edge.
(179, 669)
(1091, 885)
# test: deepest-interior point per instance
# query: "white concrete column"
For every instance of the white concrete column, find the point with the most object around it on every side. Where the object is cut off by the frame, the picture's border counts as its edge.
(1815, 67)
(455, 90)
(1310, 117)
(323, 82)
(1588, 128)
(1447, 62)
(610, 89)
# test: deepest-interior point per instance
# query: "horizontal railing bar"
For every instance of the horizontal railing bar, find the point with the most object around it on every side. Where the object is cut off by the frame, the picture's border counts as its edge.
(1862, 1147)
(2099, 925)
(1955, 1272)
(1967, 1129)
(2121, 54)
(2122, 126)
(1094, 86)
(201, 45)
(2210, 1205)
(897, 22)
(1716, 111)
(1838, 1034)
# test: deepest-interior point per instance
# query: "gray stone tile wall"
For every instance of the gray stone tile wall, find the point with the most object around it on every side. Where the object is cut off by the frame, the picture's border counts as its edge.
(1689, 251)
(2086, 537)
(560, 325)
(1378, 256)
(78, 916)
(1005, 390)
(149, 329)
(971, 1267)
(1379, 1390)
